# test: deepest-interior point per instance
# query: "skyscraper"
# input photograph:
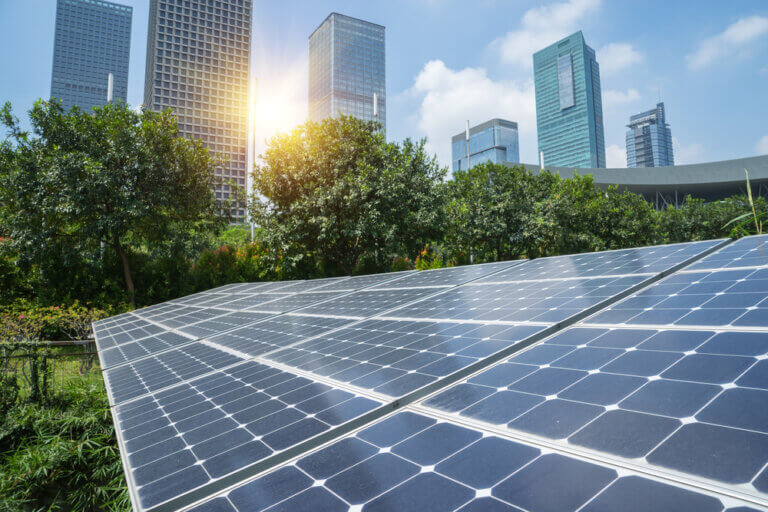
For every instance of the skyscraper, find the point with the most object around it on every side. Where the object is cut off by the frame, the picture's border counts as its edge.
(492, 141)
(649, 139)
(198, 56)
(346, 69)
(569, 110)
(92, 40)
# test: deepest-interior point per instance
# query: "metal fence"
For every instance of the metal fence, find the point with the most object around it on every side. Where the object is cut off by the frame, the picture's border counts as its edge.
(38, 369)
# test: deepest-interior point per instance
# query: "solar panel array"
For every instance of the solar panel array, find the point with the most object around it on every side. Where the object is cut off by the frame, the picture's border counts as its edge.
(514, 389)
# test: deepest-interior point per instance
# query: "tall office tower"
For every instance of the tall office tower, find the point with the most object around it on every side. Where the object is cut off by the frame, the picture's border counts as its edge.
(649, 139)
(492, 141)
(569, 110)
(93, 39)
(346, 70)
(198, 55)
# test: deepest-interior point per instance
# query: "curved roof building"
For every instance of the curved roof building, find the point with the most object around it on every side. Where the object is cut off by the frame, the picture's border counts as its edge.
(666, 186)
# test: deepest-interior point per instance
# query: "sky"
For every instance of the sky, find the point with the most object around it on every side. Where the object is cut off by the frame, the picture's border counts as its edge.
(450, 61)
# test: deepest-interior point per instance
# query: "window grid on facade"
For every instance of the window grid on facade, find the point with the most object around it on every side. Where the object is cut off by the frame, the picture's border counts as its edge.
(92, 39)
(346, 69)
(569, 112)
(649, 139)
(198, 58)
(492, 141)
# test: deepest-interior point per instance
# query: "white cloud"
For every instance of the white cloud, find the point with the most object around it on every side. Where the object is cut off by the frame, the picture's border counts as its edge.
(450, 97)
(688, 154)
(762, 146)
(732, 42)
(612, 98)
(614, 57)
(541, 27)
(615, 156)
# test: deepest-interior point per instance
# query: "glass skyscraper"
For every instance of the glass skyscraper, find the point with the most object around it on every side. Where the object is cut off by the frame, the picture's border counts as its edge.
(649, 139)
(346, 69)
(92, 40)
(569, 110)
(198, 56)
(492, 141)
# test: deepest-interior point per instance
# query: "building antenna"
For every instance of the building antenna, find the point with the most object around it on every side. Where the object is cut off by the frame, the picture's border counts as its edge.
(659, 86)
(466, 133)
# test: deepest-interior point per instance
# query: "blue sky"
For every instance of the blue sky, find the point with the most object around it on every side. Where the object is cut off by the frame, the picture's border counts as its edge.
(448, 61)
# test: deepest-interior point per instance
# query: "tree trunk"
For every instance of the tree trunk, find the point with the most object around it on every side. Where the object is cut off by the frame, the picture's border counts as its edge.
(126, 271)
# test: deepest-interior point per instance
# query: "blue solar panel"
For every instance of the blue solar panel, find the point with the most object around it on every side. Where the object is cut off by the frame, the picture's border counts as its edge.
(330, 355)
(201, 430)
(414, 462)
(747, 252)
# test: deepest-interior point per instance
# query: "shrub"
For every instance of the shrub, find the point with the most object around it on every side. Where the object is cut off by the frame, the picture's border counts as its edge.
(429, 259)
(401, 263)
(25, 321)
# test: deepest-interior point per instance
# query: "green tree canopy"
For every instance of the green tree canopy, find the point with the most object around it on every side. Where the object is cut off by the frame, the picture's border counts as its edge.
(338, 191)
(114, 178)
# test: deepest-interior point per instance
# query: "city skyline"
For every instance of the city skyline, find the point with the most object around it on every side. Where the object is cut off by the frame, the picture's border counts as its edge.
(435, 84)
(92, 40)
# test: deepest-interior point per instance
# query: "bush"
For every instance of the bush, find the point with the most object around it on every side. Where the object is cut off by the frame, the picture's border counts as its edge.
(26, 321)
(62, 456)
(428, 259)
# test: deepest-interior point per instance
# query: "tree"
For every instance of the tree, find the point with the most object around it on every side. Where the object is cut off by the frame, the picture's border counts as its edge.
(112, 178)
(338, 192)
(488, 206)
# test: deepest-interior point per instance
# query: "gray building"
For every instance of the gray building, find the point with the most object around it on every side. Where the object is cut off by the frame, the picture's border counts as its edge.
(492, 141)
(649, 139)
(569, 109)
(346, 70)
(198, 57)
(92, 40)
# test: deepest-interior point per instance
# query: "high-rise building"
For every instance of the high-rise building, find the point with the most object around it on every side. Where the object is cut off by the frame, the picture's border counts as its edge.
(492, 141)
(569, 110)
(92, 40)
(346, 70)
(198, 56)
(649, 139)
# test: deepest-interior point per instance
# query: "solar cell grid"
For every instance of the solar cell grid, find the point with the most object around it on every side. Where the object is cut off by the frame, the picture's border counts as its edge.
(118, 354)
(360, 282)
(414, 462)
(296, 301)
(277, 332)
(746, 252)
(196, 432)
(365, 303)
(447, 276)
(546, 302)
(650, 395)
(396, 358)
(721, 298)
(644, 260)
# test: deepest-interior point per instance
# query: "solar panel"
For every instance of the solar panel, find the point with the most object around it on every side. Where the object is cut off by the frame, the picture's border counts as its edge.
(441, 342)
(751, 251)
(202, 430)
(416, 462)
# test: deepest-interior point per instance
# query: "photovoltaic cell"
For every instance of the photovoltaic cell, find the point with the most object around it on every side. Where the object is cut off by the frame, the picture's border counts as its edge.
(547, 302)
(447, 276)
(275, 333)
(644, 260)
(750, 251)
(397, 357)
(736, 298)
(365, 303)
(201, 430)
(414, 462)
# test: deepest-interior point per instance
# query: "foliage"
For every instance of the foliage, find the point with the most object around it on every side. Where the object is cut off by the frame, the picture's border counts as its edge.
(23, 321)
(400, 264)
(429, 259)
(61, 455)
(112, 178)
(337, 190)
